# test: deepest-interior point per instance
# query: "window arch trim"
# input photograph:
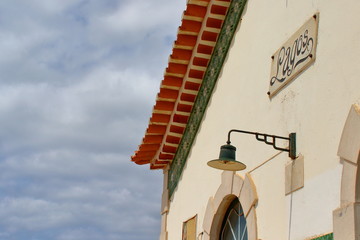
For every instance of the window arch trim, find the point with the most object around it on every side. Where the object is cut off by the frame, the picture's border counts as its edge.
(232, 186)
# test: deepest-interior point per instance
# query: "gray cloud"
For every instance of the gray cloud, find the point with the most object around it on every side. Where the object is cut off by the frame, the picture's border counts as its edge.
(78, 79)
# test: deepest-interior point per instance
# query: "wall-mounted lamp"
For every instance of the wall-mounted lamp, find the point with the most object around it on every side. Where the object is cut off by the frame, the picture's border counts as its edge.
(227, 160)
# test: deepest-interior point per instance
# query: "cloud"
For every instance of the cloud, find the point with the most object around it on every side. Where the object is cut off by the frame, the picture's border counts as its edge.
(78, 79)
(101, 113)
(60, 191)
(53, 42)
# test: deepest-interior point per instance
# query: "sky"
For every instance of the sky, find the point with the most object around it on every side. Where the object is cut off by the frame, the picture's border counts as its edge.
(78, 79)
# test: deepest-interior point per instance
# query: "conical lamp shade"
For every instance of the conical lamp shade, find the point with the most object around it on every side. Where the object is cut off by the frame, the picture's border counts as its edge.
(227, 160)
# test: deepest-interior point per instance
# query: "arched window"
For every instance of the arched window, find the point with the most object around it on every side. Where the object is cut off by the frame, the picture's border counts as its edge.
(234, 224)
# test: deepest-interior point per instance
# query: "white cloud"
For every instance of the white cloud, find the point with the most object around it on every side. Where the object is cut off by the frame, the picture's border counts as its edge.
(61, 193)
(137, 20)
(31, 214)
(78, 79)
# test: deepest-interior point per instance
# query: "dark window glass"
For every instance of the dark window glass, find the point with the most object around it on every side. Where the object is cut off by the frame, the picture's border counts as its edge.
(234, 224)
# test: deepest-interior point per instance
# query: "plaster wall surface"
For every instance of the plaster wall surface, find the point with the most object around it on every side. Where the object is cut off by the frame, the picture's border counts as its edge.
(314, 105)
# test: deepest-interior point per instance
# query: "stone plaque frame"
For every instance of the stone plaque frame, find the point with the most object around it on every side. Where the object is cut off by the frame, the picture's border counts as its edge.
(294, 56)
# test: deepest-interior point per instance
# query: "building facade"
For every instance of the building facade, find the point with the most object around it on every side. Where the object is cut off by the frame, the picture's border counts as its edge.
(274, 67)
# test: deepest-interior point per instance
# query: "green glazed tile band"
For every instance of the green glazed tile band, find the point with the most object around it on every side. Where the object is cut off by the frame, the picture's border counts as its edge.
(329, 236)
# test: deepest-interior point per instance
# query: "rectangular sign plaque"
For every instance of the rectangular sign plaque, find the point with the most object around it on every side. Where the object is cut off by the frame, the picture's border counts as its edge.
(294, 56)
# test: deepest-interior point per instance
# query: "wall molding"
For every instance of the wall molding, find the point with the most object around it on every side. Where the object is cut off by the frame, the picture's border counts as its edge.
(346, 218)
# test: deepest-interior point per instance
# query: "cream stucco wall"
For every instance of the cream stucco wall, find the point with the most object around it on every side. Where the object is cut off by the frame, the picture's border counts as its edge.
(314, 105)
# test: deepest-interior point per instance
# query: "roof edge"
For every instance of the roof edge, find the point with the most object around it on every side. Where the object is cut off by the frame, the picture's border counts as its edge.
(212, 73)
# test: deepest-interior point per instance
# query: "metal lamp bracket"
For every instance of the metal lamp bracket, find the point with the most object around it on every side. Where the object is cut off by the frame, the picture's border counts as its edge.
(271, 140)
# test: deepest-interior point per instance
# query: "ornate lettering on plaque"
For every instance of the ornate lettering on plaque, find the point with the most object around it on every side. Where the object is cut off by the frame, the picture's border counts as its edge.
(294, 56)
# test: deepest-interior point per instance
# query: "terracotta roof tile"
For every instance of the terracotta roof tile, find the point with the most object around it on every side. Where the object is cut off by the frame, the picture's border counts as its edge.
(196, 38)
(186, 40)
(156, 129)
(177, 129)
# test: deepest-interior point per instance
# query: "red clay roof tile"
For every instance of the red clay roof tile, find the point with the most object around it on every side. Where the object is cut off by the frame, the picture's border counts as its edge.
(182, 80)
